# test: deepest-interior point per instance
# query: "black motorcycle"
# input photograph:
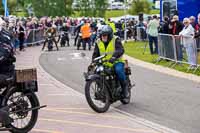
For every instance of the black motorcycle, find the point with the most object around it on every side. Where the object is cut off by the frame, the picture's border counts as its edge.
(64, 38)
(19, 104)
(49, 41)
(102, 87)
(79, 41)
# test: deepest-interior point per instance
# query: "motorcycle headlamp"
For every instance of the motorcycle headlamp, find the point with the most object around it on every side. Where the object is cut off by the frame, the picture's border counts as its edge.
(100, 69)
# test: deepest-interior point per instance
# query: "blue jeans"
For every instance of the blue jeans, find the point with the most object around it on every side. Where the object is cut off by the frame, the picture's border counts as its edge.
(119, 70)
(86, 40)
(155, 40)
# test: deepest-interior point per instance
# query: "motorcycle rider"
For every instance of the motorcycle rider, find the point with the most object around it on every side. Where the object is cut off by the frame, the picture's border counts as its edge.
(112, 25)
(7, 57)
(65, 29)
(77, 31)
(51, 30)
(113, 47)
(7, 67)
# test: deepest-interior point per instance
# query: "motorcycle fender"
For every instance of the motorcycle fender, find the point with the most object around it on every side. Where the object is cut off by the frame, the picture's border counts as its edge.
(92, 77)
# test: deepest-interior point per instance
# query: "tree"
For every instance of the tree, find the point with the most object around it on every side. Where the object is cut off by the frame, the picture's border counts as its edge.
(101, 6)
(94, 8)
(11, 6)
(47, 7)
(140, 6)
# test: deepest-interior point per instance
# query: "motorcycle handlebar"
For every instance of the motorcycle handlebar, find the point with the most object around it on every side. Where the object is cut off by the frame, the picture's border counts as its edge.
(99, 58)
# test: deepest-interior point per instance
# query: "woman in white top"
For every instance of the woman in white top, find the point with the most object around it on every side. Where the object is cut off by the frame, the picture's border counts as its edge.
(188, 41)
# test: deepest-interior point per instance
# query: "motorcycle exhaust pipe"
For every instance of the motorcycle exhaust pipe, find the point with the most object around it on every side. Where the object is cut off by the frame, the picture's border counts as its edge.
(31, 109)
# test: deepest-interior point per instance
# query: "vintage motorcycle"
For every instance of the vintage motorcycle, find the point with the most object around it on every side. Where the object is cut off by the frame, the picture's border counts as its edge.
(79, 41)
(102, 86)
(49, 41)
(19, 104)
(64, 38)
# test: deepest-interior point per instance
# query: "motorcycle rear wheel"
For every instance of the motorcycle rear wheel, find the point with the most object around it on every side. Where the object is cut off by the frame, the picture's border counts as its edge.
(30, 102)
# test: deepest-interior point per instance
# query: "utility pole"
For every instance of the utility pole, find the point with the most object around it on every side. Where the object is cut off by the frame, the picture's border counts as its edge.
(125, 36)
(5, 8)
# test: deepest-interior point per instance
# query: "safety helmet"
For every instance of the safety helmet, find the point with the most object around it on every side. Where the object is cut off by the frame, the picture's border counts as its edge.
(106, 30)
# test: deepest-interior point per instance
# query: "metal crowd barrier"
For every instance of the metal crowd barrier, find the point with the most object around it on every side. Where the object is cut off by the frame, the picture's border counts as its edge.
(34, 36)
(176, 49)
(72, 30)
(166, 48)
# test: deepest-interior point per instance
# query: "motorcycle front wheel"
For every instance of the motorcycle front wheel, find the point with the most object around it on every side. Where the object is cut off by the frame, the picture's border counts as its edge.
(20, 105)
(97, 96)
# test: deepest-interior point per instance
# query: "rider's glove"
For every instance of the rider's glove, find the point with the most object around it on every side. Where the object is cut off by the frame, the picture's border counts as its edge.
(112, 60)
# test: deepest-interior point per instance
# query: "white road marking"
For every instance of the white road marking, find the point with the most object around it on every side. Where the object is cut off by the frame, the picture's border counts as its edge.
(61, 59)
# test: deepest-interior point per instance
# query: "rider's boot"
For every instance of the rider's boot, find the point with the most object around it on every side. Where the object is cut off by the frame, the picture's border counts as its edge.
(125, 91)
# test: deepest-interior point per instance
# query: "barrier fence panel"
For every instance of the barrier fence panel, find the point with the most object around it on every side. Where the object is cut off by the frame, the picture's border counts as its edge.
(39, 35)
(166, 47)
(30, 37)
(34, 36)
(72, 30)
(189, 51)
(198, 50)
(179, 49)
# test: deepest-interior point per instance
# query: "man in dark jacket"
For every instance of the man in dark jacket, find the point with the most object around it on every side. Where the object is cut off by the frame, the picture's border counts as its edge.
(175, 28)
(77, 31)
(7, 58)
(65, 36)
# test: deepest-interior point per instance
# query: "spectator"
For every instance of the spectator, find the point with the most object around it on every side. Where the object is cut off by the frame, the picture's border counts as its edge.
(192, 21)
(21, 35)
(165, 26)
(187, 34)
(86, 33)
(152, 30)
(197, 27)
(175, 27)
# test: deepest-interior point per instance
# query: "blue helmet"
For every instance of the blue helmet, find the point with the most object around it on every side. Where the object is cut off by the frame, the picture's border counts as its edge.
(106, 30)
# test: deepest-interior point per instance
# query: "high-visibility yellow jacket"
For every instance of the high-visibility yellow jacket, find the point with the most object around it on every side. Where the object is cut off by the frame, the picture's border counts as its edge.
(109, 51)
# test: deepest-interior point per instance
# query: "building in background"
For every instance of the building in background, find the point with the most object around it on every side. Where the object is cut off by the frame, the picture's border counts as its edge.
(182, 8)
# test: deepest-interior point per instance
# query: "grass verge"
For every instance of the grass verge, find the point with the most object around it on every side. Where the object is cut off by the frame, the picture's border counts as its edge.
(136, 50)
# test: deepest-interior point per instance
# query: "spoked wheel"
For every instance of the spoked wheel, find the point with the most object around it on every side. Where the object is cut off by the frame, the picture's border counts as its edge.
(20, 106)
(97, 96)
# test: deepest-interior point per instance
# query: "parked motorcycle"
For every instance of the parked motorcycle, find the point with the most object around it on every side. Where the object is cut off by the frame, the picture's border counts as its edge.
(19, 104)
(64, 38)
(102, 86)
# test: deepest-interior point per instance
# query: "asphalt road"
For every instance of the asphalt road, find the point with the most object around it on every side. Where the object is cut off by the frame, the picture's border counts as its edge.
(169, 101)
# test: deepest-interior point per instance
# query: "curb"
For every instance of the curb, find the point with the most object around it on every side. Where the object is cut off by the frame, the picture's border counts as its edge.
(164, 70)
